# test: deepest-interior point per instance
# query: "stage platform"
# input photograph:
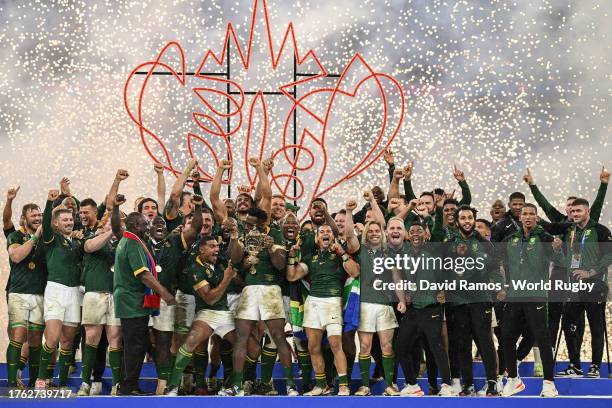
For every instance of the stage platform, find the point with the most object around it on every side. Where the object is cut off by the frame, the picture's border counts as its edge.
(595, 392)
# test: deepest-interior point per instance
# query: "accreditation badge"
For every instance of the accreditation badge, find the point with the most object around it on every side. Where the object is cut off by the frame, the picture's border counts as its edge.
(31, 266)
(575, 261)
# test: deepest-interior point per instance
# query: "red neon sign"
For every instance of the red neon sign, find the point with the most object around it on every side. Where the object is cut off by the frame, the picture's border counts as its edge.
(289, 152)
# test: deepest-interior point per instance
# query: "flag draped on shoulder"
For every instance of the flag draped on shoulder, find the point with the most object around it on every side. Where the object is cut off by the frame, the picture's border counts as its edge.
(151, 299)
(351, 298)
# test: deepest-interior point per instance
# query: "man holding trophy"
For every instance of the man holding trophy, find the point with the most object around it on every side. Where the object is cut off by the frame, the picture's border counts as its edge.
(263, 257)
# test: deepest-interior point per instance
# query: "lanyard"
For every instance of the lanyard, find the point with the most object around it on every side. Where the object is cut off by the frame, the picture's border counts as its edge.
(582, 241)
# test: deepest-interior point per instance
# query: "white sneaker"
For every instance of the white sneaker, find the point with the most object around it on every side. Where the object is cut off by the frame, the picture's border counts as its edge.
(500, 384)
(483, 391)
(549, 389)
(187, 383)
(391, 390)
(84, 390)
(161, 387)
(456, 384)
(447, 391)
(316, 391)
(344, 391)
(19, 381)
(412, 391)
(292, 391)
(513, 386)
(247, 387)
(96, 388)
(363, 391)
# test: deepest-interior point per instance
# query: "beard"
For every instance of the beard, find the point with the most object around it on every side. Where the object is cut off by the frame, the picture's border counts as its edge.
(466, 231)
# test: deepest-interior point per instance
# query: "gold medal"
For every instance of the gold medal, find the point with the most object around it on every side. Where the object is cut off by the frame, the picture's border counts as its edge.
(31, 266)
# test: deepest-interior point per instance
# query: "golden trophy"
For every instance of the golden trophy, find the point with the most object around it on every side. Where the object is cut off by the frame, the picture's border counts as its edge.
(253, 243)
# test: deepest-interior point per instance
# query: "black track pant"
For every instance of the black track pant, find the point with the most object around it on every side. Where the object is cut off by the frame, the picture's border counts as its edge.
(135, 344)
(426, 321)
(474, 321)
(574, 312)
(453, 342)
(536, 316)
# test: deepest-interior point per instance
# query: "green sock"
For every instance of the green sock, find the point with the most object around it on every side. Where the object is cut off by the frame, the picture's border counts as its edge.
(306, 367)
(200, 363)
(115, 357)
(388, 362)
(65, 359)
(22, 362)
(320, 380)
(226, 360)
(51, 366)
(163, 370)
(183, 357)
(238, 379)
(250, 367)
(87, 362)
(268, 358)
(330, 368)
(13, 353)
(46, 356)
(342, 380)
(34, 359)
(364, 368)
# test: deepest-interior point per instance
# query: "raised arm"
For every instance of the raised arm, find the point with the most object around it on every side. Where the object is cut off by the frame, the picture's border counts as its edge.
(47, 232)
(390, 159)
(212, 295)
(174, 202)
(268, 164)
(394, 191)
(376, 212)
(598, 203)
(263, 184)
(197, 190)
(219, 210)
(161, 183)
(352, 241)
(96, 243)
(116, 216)
(7, 213)
(295, 270)
(466, 195)
(551, 212)
(190, 234)
(114, 189)
(408, 191)
(407, 209)
(318, 205)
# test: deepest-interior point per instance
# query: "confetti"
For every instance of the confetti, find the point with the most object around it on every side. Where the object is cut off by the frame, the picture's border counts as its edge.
(494, 87)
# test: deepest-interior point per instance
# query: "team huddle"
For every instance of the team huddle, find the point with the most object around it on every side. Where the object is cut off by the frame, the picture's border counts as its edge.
(233, 283)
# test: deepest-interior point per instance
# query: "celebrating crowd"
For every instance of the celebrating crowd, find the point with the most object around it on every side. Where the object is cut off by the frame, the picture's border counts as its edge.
(236, 282)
